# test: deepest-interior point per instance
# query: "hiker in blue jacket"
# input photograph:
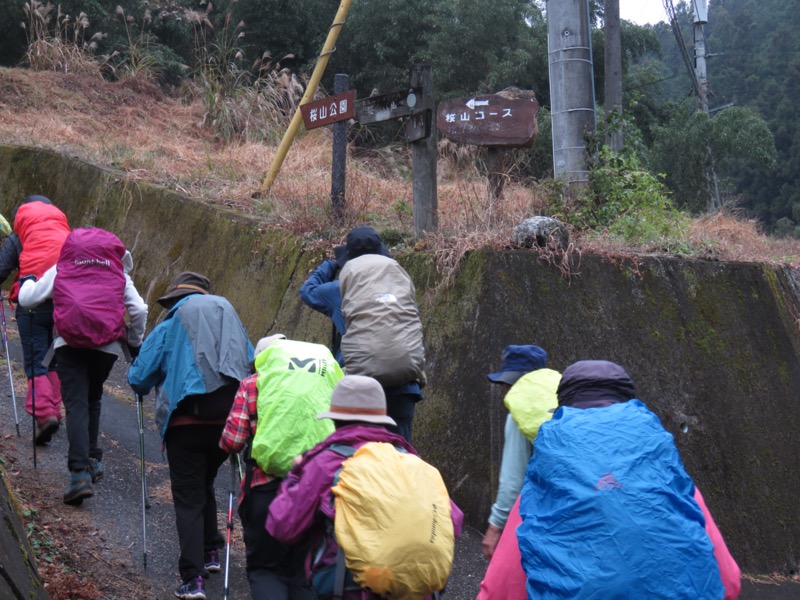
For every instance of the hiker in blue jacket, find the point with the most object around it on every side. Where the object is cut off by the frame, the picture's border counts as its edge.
(195, 358)
(321, 292)
(517, 361)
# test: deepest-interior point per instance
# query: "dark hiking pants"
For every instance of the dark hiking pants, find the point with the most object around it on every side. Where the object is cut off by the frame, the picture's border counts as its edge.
(82, 372)
(401, 408)
(194, 457)
(275, 571)
(35, 334)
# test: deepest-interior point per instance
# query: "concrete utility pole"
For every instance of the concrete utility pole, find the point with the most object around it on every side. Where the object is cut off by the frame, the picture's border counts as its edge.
(613, 73)
(571, 87)
(700, 19)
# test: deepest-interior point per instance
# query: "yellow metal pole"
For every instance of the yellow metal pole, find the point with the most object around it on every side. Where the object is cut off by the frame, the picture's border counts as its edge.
(311, 89)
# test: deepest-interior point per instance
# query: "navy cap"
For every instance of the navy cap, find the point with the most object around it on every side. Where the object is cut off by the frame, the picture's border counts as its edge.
(517, 361)
(360, 241)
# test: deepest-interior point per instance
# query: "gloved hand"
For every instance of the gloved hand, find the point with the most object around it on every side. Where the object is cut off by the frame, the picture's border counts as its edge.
(134, 350)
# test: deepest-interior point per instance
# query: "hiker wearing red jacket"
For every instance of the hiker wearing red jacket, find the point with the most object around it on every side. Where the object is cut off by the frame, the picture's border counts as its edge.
(39, 232)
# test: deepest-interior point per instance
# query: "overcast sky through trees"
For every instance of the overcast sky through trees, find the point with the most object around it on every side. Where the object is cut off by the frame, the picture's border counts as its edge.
(642, 12)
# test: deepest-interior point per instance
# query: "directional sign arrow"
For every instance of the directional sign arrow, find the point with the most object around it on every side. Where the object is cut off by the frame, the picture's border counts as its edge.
(472, 103)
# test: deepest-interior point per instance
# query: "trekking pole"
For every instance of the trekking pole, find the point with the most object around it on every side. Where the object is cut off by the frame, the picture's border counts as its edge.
(33, 388)
(235, 468)
(140, 402)
(8, 360)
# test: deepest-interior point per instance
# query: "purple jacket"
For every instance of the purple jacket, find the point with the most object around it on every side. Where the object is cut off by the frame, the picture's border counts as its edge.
(305, 502)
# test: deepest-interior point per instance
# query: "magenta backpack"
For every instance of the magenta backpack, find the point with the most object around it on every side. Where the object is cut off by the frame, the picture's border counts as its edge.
(89, 289)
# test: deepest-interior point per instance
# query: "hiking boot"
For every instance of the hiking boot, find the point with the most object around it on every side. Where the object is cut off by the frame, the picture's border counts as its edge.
(212, 561)
(45, 431)
(96, 469)
(80, 487)
(192, 589)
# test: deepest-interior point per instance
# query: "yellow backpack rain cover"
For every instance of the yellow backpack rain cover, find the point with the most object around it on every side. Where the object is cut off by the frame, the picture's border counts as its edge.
(393, 522)
(532, 400)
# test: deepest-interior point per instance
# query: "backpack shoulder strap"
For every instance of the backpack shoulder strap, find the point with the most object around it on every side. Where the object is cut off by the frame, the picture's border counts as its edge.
(343, 449)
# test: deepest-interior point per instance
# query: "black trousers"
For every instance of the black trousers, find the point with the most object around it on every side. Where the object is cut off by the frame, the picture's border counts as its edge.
(275, 571)
(401, 408)
(82, 372)
(194, 457)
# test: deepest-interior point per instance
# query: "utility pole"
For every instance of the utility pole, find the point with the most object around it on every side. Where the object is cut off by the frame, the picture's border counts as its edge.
(700, 11)
(700, 14)
(612, 61)
(571, 87)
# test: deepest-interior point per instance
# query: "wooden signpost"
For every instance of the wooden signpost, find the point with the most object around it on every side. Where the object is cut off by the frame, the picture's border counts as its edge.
(415, 106)
(498, 121)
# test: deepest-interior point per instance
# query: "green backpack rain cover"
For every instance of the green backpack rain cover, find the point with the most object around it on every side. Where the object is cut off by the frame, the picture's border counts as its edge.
(295, 381)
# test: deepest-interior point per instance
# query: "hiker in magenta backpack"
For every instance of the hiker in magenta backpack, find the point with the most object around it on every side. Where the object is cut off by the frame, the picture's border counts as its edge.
(39, 232)
(322, 292)
(304, 509)
(272, 420)
(91, 291)
(195, 359)
(608, 510)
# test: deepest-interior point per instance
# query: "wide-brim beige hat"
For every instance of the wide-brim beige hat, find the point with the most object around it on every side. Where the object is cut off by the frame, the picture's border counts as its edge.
(360, 399)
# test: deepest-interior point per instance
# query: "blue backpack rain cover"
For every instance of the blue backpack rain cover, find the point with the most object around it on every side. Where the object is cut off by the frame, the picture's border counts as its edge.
(608, 511)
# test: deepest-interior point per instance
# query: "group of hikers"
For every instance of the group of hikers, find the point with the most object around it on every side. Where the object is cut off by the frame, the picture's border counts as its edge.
(593, 499)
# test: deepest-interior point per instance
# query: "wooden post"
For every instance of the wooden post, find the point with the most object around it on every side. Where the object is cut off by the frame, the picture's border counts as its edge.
(496, 159)
(339, 159)
(424, 156)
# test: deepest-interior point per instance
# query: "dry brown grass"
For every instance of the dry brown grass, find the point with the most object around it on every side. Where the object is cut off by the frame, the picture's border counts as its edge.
(133, 126)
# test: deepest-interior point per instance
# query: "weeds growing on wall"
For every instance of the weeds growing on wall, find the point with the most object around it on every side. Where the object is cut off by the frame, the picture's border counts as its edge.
(58, 41)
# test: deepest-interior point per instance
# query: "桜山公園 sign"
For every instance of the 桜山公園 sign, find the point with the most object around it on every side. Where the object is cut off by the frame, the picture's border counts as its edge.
(325, 111)
(493, 120)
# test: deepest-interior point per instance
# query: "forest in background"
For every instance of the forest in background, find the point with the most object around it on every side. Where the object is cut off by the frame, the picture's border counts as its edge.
(249, 49)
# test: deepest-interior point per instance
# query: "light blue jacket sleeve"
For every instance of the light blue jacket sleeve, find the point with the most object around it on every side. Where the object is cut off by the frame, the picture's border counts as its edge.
(516, 454)
(146, 371)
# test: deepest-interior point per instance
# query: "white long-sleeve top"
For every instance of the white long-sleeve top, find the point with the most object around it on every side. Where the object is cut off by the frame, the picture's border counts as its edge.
(33, 293)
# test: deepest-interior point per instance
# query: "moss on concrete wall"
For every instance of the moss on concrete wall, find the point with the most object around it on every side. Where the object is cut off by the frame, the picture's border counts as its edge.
(713, 347)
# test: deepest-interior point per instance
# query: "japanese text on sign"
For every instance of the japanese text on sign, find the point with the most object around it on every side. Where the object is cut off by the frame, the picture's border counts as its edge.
(329, 110)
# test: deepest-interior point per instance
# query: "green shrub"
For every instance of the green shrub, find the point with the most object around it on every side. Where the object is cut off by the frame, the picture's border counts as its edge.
(627, 201)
